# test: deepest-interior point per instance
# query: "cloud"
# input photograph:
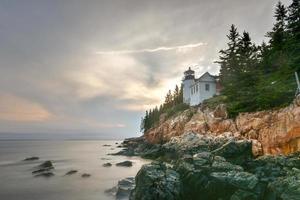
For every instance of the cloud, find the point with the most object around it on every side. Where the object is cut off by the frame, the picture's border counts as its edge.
(13, 108)
(92, 72)
(180, 48)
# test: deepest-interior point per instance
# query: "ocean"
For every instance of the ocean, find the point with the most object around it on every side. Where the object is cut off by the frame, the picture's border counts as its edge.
(18, 183)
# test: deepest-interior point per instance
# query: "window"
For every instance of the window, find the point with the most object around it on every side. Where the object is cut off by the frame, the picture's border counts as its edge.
(207, 87)
(191, 90)
(196, 88)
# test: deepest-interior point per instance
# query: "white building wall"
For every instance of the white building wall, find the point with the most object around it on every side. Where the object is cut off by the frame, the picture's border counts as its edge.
(199, 92)
(195, 94)
(186, 90)
(206, 94)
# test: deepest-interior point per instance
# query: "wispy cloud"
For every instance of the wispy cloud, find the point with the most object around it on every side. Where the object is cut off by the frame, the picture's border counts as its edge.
(13, 108)
(162, 48)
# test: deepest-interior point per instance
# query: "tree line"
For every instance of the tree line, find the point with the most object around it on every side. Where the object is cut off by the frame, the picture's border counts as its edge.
(256, 77)
(173, 102)
(253, 77)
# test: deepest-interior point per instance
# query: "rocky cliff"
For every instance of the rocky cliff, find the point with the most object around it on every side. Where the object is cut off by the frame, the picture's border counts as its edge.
(205, 167)
(271, 132)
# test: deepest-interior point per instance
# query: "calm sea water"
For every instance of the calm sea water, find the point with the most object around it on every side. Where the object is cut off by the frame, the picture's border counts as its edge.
(17, 182)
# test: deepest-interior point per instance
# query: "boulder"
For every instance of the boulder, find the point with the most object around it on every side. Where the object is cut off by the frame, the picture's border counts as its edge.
(124, 164)
(46, 164)
(156, 181)
(220, 111)
(85, 175)
(208, 176)
(31, 158)
(286, 188)
(44, 169)
(45, 174)
(107, 165)
(256, 148)
(237, 152)
(124, 188)
(41, 170)
(71, 172)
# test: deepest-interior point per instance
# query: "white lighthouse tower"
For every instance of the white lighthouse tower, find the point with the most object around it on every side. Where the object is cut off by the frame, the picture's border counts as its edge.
(188, 81)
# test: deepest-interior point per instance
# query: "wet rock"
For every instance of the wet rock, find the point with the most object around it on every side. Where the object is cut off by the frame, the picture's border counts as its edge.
(133, 147)
(106, 145)
(286, 188)
(105, 158)
(46, 164)
(86, 175)
(45, 174)
(156, 181)
(41, 170)
(112, 191)
(237, 152)
(220, 169)
(207, 176)
(124, 164)
(124, 188)
(31, 158)
(71, 172)
(44, 169)
(190, 143)
(107, 165)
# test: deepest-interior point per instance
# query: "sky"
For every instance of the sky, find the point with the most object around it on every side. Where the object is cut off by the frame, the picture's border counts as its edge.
(92, 68)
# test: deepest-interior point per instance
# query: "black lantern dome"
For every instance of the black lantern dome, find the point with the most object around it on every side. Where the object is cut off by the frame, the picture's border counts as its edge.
(189, 74)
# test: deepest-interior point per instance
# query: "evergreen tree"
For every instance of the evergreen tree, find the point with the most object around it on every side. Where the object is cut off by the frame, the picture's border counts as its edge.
(239, 88)
(228, 61)
(146, 123)
(176, 95)
(229, 65)
(293, 27)
(278, 34)
(173, 103)
(294, 19)
(142, 125)
(180, 98)
(168, 100)
(275, 85)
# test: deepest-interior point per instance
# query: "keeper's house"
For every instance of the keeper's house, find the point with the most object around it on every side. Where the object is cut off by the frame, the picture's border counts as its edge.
(196, 90)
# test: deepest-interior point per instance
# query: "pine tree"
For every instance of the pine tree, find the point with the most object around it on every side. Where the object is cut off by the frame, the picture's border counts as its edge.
(278, 34)
(228, 59)
(275, 87)
(146, 123)
(168, 100)
(180, 99)
(246, 75)
(294, 19)
(176, 95)
(142, 125)
(229, 64)
(293, 27)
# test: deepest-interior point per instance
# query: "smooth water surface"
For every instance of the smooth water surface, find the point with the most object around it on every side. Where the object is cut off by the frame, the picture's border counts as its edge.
(18, 183)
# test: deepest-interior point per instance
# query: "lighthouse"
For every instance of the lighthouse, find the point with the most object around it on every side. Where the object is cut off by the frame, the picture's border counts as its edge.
(196, 90)
(188, 81)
